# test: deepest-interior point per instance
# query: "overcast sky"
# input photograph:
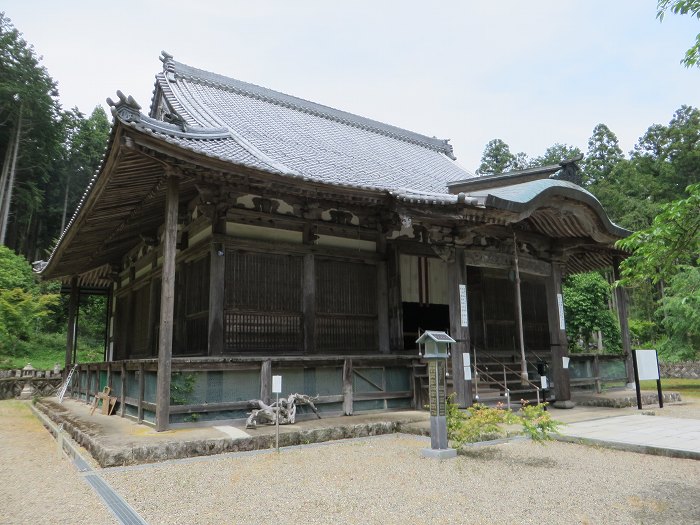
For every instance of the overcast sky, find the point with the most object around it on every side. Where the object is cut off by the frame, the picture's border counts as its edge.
(529, 72)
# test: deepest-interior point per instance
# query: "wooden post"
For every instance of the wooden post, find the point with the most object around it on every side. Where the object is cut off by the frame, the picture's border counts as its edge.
(524, 378)
(88, 382)
(309, 298)
(167, 306)
(122, 395)
(557, 337)
(217, 269)
(266, 381)
(142, 389)
(621, 295)
(347, 387)
(394, 304)
(382, 309)
(72, 322)
(596, 373)
(152, 316)
(456, 277)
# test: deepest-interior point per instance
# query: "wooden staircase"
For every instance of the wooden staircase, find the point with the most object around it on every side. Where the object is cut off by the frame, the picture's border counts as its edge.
(496, 380)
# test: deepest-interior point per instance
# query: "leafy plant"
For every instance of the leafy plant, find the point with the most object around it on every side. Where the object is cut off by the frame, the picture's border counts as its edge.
(481, 423)
(586, 310)
(181, 388)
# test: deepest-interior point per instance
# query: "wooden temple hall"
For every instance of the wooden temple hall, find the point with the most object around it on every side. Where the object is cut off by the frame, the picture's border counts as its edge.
(242, 233)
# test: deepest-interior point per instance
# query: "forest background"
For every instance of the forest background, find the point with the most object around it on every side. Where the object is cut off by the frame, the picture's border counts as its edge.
(48, 155)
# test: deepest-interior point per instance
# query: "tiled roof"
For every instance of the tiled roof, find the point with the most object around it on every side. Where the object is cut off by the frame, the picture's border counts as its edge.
(299, 138)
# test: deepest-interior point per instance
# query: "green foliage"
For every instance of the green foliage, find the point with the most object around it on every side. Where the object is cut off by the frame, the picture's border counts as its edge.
(537, 423)
(497, 158)
(680, 309)
(669, 244)
(15, 272)
(643, 333)
(22, 307)
(683, 7)
(555, 154)
(482, 423)
(586, 310)
(181, 388)
(603, 155)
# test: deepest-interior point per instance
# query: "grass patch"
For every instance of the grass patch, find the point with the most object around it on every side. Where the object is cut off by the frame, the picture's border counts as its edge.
(685, 387)
(45, 350)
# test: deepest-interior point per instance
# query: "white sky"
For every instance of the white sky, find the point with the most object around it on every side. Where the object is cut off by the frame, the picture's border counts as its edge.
(529, 72)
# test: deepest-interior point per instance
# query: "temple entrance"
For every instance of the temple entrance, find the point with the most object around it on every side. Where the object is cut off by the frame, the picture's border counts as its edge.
(423, 296)
(492, 312)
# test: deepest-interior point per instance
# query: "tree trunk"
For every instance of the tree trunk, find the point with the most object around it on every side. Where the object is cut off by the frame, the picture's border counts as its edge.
(65, 203)
(6, 169)
(11, 181)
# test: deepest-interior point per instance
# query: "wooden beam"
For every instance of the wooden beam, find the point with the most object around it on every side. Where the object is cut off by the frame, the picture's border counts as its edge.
(621, 296)
(557, 336)
(309, 303)
(167, 306)
(456, 277)
(347, 387)
(72, 322)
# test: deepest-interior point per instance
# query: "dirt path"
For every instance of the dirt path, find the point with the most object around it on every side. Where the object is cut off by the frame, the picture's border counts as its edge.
(37, 486)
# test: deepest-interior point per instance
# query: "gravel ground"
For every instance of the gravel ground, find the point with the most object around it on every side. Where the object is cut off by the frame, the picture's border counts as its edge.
(37, 486)
(385, 480)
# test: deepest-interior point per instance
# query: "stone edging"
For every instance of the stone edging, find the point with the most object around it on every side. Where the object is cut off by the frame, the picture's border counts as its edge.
(117, 457)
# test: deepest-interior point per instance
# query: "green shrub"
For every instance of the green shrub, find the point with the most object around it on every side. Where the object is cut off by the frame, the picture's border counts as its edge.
(482, 423)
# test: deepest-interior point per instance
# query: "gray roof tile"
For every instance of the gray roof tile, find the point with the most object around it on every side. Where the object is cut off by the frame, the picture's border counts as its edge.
(301, 138)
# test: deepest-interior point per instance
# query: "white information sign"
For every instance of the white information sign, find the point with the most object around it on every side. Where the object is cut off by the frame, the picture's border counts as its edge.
(276, 384)
(560, 302)
(543, 382)
(466, 363)
(463, 304)
(647, 364)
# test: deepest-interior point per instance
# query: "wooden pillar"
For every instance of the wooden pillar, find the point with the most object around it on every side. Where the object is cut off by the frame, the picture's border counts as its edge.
(142, 389)
(557, 337)
(167, 306)
(383, 309)
(309, 304)
(524, 378)
(72, 322)
(122, 395)
(621, 296)
(394, 305)
(347, 388)
(152, 317)
(108, 319)
(459, 330)
(217, 269)
(266, 381)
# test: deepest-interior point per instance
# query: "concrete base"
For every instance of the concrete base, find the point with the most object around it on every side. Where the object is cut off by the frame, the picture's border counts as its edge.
(564, 404)
(438, 453)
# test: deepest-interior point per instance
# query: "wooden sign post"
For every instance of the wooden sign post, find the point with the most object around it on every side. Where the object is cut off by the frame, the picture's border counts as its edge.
(646, 367)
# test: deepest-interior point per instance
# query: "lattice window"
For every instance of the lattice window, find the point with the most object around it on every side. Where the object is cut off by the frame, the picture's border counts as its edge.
(197, 307)
(346, 306)
(263, 302)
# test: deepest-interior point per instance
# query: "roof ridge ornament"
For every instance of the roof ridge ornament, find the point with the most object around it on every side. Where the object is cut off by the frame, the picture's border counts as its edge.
(126, 108)
(570, 170)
